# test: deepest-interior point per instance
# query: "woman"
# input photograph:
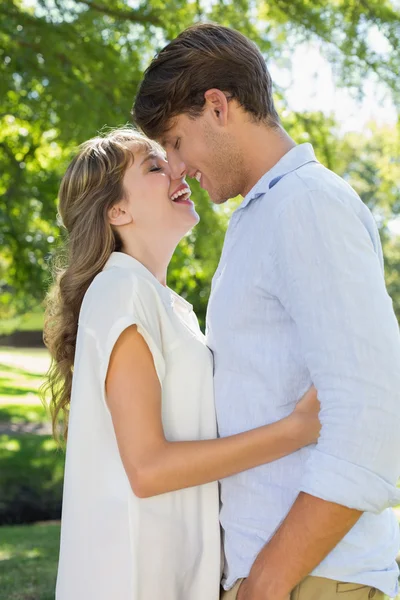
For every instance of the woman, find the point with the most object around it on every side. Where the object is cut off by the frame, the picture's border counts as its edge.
(133, 378)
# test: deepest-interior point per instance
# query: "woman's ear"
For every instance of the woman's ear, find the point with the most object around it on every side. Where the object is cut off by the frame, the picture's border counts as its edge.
(119, 215)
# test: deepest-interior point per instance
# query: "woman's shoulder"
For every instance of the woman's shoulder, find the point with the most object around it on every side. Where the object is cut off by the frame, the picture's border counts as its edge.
(112, 283)
(115, 293)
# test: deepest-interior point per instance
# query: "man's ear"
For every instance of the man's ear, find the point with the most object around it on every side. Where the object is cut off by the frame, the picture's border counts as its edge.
(119, 215)
(217, 102)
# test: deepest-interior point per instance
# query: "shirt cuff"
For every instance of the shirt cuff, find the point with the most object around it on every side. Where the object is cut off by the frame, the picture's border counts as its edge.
(336, 480)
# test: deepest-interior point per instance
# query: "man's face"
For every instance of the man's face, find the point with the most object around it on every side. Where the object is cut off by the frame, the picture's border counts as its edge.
(199, 147)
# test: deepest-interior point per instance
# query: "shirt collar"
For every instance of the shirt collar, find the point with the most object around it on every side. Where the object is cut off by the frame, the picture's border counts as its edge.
(294, 159)
(125, 261)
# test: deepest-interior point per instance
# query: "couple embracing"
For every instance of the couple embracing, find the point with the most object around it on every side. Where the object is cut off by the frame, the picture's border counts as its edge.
(291, 401)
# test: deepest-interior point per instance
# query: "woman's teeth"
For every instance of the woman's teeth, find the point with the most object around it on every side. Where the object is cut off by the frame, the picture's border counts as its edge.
(184, 192)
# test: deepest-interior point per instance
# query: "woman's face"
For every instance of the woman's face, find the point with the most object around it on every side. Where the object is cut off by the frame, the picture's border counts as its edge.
(158, 205)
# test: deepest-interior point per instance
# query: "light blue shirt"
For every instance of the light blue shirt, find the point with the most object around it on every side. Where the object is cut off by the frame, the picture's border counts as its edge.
(299, 297)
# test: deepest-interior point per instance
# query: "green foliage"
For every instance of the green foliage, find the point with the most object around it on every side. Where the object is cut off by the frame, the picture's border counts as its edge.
(31, 465)
(32, 321)
(31, 476)
(392, 271)
(371, 164)
(22, 413)
(28, 561)
(21, 376)
(69, 68)
(346, 29)
(196, 258)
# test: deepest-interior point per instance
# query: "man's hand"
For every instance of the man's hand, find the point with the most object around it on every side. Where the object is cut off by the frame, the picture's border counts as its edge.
(246, 593)
(310, 531)
(253, 590)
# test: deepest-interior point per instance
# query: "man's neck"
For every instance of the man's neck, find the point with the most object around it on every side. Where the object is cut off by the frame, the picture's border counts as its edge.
(263, 147)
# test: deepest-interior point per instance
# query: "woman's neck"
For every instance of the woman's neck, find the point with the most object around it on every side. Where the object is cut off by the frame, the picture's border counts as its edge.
(156, 259)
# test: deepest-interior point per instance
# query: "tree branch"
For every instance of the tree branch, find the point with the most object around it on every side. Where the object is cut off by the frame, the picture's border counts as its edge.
(135, 16)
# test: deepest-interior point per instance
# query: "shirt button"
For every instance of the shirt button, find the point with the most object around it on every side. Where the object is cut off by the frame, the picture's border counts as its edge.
(372, 593)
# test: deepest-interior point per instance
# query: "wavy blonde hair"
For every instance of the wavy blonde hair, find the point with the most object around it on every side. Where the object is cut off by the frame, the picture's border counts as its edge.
(92, 184)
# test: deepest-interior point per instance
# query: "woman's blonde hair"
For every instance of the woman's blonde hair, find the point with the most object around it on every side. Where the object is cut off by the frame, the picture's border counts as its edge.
(92, 184)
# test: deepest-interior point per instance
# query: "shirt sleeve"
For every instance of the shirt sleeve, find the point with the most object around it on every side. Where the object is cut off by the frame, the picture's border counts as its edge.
(119, 302)
(330, 281)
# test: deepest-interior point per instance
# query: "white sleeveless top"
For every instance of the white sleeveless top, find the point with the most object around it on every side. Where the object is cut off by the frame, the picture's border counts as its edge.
(115, 546)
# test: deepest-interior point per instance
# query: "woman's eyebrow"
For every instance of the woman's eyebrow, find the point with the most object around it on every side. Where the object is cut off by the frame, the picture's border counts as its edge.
(150, 156)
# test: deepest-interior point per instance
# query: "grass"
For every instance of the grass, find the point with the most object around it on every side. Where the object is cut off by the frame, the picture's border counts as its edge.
(21, 375)
(21, 413)
(32, 321)
(30, 482)
(28, 561)
(30, 478)
(31, 465)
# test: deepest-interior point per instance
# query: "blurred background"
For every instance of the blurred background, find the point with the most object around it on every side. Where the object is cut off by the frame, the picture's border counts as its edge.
(68, 68)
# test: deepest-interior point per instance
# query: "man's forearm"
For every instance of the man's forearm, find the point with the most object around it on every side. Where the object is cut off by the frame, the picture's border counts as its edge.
(310, 531)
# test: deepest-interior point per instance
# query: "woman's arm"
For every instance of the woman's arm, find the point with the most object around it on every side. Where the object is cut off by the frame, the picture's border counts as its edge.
(153, 464)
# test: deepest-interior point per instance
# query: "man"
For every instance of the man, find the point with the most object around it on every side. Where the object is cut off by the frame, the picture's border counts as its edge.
(298, 297)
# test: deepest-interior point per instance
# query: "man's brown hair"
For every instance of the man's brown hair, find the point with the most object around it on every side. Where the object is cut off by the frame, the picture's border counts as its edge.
(203, 57)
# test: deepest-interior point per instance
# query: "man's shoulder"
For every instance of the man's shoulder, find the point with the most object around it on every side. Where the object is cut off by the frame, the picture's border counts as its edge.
(317, 177)
(314, 183)
(313, 177)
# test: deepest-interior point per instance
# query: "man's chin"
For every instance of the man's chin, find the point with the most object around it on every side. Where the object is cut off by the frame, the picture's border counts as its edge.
(218, 196)
(217, 199)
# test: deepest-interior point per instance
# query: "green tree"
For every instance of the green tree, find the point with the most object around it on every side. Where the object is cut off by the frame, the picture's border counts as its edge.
(69, 67)
(371, 164)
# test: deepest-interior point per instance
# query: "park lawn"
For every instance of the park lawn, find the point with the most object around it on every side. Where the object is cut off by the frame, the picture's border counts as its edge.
(21, 375)
(30, 479)
(32, 321)
(21, 413)
(28, 561)
(28, 553)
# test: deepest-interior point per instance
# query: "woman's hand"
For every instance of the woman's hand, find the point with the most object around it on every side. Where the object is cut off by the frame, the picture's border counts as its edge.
(155, 465)
(306, 417)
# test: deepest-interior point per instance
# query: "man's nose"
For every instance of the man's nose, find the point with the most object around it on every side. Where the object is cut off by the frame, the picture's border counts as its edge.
(177, 167)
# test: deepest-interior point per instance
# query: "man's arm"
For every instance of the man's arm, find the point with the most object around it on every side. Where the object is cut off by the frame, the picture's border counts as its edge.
(330, 280)
(311, 530)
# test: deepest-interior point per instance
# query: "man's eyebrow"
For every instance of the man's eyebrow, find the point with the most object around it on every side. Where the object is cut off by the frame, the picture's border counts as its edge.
(164, 141)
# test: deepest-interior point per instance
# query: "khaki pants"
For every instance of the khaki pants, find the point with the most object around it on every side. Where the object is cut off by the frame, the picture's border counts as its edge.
(233, 592)
(319, 588)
